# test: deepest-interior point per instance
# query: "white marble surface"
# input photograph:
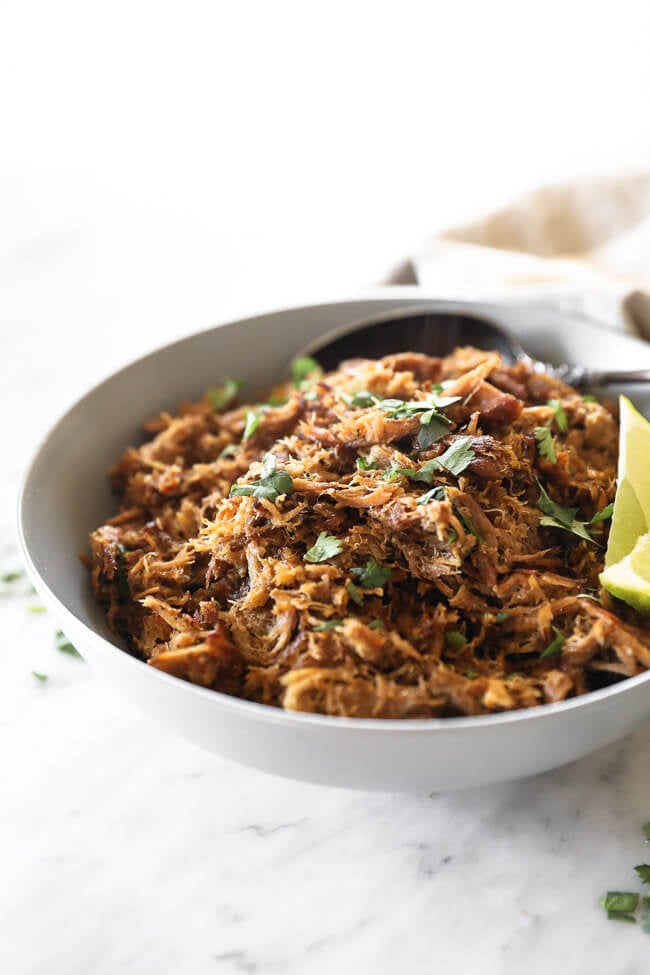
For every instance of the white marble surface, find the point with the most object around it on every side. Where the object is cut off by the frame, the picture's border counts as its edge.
(126, 850)
(127, 220)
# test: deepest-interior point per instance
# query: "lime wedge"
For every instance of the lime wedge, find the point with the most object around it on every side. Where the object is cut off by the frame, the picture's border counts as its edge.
(627, 561)
(631, 516)
(629, 579)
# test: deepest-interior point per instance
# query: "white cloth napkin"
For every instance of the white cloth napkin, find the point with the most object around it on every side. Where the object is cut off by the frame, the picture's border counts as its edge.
(582, 246)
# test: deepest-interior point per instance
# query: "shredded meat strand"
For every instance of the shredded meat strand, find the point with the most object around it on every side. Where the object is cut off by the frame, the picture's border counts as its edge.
(215, 589)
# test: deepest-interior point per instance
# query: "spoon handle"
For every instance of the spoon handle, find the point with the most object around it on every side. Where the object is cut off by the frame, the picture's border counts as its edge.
(575, 376)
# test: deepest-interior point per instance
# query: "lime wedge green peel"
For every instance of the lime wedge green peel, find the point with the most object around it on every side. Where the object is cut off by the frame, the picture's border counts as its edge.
(627, 561)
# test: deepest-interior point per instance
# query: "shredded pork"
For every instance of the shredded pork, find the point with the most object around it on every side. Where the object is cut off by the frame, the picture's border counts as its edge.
(460, 600)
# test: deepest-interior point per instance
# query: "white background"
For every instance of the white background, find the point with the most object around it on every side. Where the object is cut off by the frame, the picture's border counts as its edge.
(163, 166)
(193, 158)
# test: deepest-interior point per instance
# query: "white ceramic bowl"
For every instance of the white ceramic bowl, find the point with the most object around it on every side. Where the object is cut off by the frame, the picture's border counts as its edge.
(65, 494)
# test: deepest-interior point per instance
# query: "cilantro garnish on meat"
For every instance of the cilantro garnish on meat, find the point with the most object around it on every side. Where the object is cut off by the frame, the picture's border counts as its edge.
(382, 540)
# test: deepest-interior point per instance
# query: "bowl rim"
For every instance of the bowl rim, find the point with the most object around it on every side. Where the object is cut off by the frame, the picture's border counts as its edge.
(267, 712)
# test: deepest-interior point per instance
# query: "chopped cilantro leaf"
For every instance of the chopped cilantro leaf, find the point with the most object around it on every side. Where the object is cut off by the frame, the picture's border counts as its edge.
(577, 527)
(328, 625)
(399, 408)
(355, 594)
(271, 485)
(500, 617)
(252, 420)
(426, 472)
(41, 677)
(621, 902)
(471, 674)
(221, 396)
(589, 398)
(454, 639)
(303, 370)
(554, 649)
(560, 415)
(603, 515)
(646, 831)
(643, 870)
(393, 472)
(362, 398)
(621, 916)
(432, 428)
(64, 645)
(364, 464)
(11, 576)
(545, 443)
(432, 416)
(373, 575)
(435, 494)
(325, 547)
(468, 526)
(376, 625)
(455, 459)
(555, 516)
(554, 510)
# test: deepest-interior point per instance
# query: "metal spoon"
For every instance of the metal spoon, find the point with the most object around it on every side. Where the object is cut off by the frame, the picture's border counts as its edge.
(437, 333)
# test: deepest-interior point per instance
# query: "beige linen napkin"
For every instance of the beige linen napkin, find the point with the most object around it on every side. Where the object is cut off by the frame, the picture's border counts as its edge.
(584, 247)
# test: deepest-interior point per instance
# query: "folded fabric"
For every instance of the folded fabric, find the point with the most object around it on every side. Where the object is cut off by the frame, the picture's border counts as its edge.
(584, 247)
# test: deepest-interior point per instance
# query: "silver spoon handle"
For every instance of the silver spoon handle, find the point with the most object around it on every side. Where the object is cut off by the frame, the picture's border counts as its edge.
(575, 376)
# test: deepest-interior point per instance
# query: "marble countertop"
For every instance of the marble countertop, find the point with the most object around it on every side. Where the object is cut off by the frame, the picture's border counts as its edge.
(124, 849)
